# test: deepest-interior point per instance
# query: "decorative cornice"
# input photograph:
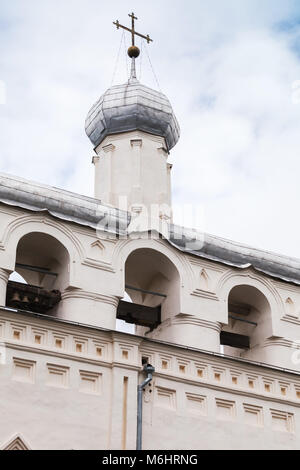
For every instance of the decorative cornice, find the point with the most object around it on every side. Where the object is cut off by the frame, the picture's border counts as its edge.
(56, 353)
(283, 342)
(153, 345)
(108, 363)
(81, 294)
(118, 337)
(192, 320)
(56, 325)
(133, 135)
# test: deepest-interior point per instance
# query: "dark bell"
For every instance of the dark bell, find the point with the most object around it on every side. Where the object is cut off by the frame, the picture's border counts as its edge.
(133, 52)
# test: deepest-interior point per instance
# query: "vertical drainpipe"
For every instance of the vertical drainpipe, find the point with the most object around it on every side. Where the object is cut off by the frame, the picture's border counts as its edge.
(149, 370)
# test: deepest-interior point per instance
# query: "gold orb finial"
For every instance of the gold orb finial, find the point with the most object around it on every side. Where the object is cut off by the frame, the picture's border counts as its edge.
(133, 52)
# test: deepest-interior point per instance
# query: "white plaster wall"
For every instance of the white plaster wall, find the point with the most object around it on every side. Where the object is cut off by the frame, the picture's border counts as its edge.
(213, 429)
(134, 165)
(196, 400)
(52, 417)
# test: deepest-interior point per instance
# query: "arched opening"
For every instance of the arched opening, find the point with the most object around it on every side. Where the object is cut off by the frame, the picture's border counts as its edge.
(153, 283)
(41, 274)
(249, 321)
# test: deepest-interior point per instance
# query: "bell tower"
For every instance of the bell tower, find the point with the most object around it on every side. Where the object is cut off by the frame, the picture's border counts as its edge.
(133, 128)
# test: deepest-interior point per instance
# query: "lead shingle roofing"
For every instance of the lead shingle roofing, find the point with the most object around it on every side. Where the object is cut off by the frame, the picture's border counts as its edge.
(90, 212)
(132, 106)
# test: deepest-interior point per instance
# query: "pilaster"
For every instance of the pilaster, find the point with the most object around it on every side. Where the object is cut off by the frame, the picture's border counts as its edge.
(136, 194)
(4, 275)
(125, 371)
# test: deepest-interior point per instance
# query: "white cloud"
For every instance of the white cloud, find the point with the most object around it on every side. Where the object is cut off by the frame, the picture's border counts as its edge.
(228, 68)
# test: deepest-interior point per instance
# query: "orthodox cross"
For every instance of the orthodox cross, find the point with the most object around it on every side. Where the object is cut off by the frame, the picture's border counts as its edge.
(133, 51)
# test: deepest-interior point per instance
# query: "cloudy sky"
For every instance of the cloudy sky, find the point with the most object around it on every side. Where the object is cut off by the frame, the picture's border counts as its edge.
(231, 70)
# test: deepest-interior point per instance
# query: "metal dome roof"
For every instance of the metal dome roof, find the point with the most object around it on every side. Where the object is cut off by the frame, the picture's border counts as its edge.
(132, 106)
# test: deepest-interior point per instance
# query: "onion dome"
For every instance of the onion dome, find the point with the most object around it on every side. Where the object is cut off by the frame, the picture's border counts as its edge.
(129, 107)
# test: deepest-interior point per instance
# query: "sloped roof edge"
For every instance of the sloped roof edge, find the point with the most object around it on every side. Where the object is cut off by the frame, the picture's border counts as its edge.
(90, 212)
